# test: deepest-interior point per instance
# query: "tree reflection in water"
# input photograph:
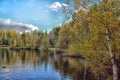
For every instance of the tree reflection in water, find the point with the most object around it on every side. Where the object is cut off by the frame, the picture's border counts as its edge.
(25, 59)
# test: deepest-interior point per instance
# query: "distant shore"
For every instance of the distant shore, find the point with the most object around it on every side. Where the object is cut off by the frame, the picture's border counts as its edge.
(24, 48)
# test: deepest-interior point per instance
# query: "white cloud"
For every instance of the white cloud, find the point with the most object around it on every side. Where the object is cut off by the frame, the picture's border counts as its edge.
(7, 21)
(65, 5)
(19, 27)
(56, 6)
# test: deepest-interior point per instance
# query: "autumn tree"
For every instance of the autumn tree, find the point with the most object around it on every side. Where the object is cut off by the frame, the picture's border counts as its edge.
(53, 36)
(64, 36)
(97, 35)
(1, 35)
(44, 42)
(104, 20)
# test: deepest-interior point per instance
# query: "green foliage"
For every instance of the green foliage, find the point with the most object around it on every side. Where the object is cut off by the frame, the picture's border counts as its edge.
(87, 35)
(65, 36)
(1, 35)
(12, 39)
(53, 36)
(44, 42)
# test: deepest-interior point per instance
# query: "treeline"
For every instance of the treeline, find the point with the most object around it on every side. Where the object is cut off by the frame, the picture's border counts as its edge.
(93, 33)
(26, 40)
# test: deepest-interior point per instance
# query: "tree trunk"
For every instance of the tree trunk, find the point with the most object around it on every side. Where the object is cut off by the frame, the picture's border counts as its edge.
(112, 56)
(85, 70)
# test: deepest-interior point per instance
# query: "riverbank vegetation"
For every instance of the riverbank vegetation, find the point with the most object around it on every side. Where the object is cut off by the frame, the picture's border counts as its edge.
(94, 33)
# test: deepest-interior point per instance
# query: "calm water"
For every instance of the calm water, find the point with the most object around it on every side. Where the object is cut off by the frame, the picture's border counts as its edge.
(38, 65)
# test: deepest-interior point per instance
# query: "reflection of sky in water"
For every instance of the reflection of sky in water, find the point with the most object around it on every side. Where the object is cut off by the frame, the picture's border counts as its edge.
(29, 71)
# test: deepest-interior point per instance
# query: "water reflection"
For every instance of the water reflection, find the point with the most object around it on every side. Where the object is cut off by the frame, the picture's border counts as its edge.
(39, 65)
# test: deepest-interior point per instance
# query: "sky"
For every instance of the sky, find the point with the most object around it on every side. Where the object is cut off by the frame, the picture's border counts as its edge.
(33, 14)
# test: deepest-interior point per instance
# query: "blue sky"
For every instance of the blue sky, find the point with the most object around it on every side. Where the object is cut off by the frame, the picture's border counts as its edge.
(44, 14)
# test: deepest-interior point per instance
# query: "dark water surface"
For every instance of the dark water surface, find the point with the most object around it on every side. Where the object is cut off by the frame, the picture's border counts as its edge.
(38, 65)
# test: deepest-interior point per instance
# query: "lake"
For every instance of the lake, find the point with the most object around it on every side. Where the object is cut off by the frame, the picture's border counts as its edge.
(39, 65)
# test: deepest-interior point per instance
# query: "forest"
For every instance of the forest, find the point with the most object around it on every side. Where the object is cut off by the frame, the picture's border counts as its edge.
(92, 32)
(25, 40)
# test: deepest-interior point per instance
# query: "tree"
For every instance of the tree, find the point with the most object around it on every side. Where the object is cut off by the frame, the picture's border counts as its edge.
(64, 36)
(53, 36)
(44, 42)
(23, 37)
(105, 24)
(96, 33)
(40, 35)
(1, 35)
